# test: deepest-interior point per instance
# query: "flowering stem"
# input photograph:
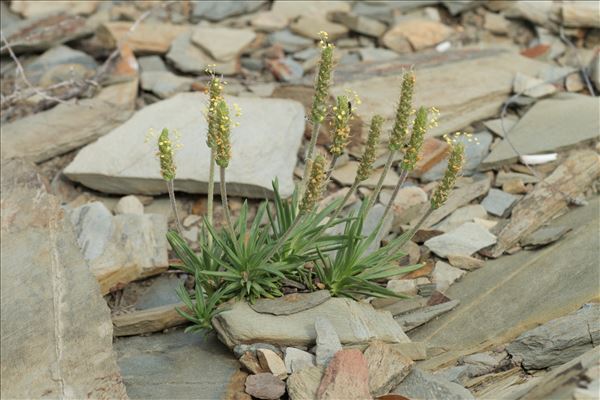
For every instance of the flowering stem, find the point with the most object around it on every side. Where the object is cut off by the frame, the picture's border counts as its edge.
(331, 167)
(413, 230)
(171, 191)
(401, 180)
(386, 170)
(338, 210)
(211, 191)
(223, 186)
(308, 156)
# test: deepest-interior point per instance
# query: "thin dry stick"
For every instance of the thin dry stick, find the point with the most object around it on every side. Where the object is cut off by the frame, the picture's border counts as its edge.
(23, 75)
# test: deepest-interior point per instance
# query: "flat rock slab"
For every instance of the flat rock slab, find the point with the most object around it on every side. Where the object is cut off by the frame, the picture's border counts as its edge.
(50, 133)
(558, 341)
(550, 125)
(464, 240)
(465, 85)
(544, 236)
(291, 303)
(175, 365)
(354, 322)
(264, 147)
(56, 329)
(499, 203)
(412, 320)
(518, 292)
(422, 385)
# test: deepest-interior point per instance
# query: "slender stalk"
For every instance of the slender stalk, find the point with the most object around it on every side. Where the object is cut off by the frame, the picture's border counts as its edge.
(211, 191)
(223, 187)
(386, 170)
(281, 241)
(331, 167)
(171, 190)
(401, 180)
(307, 157)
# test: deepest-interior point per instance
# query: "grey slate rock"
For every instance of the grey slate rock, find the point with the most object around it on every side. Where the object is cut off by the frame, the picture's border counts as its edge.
(560, 340)
(56, 56)
(160, 292)
(465, 240)
(414, 319)
(297, 360)
(290, 42)
(151, 63)
(544, 128)
(499, 203)
(219, 10)
(422, 385)
(175, 365)
(328, 342)
(265, 147)
(544, 236)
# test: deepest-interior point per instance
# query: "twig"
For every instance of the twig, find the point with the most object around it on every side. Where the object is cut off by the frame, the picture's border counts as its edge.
(22, 72)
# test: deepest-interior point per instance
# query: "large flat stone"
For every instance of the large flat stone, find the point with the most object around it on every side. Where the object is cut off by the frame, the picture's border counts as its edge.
(56, 329)
(515, 293)
(551, 125)
(465, 85)
(176, 365)
(68, 126)
(354, 322)
(558, 341)
(264, 147)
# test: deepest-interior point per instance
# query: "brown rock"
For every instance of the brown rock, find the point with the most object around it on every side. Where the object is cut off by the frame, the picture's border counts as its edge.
(346, 377)
(147, 38)
(310, 26)
(387, 367)
(465, 262)
(271, 362)
(421, 33)
(432, 152)
(303, 384)
(514, 186)
(235, 389)
(265, 386)
(393, 39)
(251, 363)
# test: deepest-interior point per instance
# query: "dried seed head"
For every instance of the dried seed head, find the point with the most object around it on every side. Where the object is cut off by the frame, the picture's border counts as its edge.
(223, 131)
(368, 157)
(215, 95)
(323, 80)
(341, 126)
(455, 162)
(315, 184)
(165, 155)
(411, 153)
(403, 112)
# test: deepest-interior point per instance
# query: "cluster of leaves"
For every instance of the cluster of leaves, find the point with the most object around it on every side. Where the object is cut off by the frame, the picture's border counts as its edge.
(292, 240)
